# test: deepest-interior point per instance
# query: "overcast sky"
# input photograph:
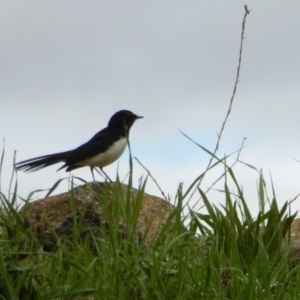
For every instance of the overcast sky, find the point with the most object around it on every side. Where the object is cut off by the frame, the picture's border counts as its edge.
(67, 66)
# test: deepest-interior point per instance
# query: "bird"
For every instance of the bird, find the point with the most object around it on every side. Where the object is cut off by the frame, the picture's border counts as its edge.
(101, 150)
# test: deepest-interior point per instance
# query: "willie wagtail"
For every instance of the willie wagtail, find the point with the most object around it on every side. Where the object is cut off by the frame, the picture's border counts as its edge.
(101, 150)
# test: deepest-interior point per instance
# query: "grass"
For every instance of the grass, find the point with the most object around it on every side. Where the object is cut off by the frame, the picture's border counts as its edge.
(224, 253)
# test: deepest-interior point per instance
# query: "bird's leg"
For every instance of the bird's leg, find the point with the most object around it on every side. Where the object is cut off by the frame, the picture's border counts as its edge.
(92, 170)
(105, 174)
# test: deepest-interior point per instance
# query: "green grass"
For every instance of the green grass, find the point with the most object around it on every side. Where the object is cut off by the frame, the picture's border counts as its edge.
(225, 253)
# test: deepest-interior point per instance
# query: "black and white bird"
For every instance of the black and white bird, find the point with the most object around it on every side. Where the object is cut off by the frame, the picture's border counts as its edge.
(101, 150)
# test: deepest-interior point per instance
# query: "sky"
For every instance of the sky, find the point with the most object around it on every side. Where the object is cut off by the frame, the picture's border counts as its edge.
(67, 66)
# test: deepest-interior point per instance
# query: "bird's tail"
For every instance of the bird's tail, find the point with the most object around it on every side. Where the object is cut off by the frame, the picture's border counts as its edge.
(37, 163)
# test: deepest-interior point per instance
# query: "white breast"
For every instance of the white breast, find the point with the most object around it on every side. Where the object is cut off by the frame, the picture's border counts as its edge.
(108, 157)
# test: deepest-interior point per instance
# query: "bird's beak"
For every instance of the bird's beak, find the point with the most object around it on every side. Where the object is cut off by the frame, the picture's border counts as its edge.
(139, 117)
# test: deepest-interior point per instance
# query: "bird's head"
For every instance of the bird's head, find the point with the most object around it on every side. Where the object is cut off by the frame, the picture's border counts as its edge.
(123, 118)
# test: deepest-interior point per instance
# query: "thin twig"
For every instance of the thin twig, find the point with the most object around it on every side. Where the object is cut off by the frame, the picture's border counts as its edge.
(236, 160)
(237, 80)
(218, 179)
(152, 179)
(295, 198)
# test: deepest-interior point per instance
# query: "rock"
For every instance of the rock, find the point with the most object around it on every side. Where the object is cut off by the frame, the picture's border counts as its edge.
(295, 249)
(97, 201)
(294, 239)
(295, 230)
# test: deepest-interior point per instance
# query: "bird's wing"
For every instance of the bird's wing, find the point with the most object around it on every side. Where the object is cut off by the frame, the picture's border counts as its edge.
(99, 143)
